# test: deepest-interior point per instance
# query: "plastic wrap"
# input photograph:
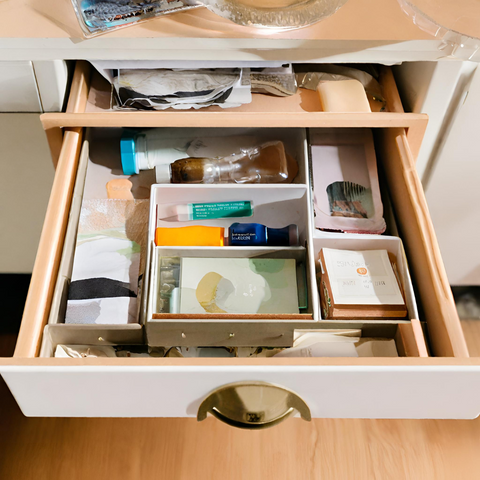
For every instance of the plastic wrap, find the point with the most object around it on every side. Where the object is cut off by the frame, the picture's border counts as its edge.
(102, 16)
(277, 14)
(159, 89)
(456, 24)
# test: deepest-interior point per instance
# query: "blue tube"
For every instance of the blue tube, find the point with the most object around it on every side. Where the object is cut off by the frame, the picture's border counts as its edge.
(255, 234)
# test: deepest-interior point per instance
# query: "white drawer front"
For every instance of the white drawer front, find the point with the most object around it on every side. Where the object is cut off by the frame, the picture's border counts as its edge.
(330, 392)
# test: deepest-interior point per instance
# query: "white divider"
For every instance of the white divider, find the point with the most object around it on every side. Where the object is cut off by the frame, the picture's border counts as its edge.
(275, 206)
(344, 241)
(297, 253)
(225, 141)
(90, 334)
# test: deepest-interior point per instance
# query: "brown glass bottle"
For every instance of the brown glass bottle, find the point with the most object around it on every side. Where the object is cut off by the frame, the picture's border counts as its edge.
(267, 163)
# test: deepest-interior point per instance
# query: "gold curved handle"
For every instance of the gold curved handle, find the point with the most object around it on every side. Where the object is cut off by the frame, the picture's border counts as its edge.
(252, 405)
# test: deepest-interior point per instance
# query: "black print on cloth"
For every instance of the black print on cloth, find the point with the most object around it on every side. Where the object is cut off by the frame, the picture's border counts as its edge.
(98, 288)
(144, 102)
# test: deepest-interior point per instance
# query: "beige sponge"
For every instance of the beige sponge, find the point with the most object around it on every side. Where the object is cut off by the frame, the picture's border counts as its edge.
(343, 96)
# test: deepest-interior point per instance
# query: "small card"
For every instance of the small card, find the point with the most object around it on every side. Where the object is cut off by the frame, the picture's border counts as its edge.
(238, 285)
(362, 277)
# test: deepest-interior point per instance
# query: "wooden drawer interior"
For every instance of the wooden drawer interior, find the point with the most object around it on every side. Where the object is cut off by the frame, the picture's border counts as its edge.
(395, 132)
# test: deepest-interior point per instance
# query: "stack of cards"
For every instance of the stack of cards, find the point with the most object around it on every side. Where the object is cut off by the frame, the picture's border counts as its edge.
(360, 285)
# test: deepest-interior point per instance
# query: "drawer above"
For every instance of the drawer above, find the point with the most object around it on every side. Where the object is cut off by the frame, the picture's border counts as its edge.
(445, 385)
(90, 106)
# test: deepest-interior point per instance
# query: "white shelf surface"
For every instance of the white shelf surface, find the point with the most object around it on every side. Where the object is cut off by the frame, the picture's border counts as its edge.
(361, 31)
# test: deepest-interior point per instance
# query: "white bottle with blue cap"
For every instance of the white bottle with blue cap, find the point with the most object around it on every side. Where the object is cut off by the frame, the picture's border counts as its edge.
(146, 149)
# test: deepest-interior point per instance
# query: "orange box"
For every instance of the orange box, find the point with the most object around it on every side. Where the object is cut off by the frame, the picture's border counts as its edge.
(196, 236)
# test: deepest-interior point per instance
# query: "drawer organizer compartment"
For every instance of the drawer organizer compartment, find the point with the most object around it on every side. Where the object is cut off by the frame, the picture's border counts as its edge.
(355, 242)
(287, 202)
(274, 205)
(409, 386)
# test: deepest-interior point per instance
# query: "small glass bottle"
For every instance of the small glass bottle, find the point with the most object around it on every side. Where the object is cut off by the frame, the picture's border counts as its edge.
(267, 163)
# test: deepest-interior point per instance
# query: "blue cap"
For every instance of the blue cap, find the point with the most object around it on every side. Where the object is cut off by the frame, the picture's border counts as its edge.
(278, 237)
(127, 152)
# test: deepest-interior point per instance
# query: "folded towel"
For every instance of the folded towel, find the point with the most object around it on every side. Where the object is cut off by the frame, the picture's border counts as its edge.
(109, 255)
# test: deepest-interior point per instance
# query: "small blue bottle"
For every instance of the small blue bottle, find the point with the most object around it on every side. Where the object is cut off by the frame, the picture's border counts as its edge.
(255, 234)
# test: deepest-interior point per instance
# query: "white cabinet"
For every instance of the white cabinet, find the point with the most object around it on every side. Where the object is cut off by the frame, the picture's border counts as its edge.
(19, 88)
(53, 78)
(38, 86)
(27, 170)
(453, 192)
(449, 159)
(25, 183)
(437, 89)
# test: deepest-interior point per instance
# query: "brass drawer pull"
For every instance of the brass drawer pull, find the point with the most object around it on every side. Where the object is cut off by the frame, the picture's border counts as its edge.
(252, 405)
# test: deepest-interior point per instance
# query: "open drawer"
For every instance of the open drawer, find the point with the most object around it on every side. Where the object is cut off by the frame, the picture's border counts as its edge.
(444, 385)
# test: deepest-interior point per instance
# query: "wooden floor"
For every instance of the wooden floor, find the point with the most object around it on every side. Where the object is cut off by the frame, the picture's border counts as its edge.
(158, 449)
